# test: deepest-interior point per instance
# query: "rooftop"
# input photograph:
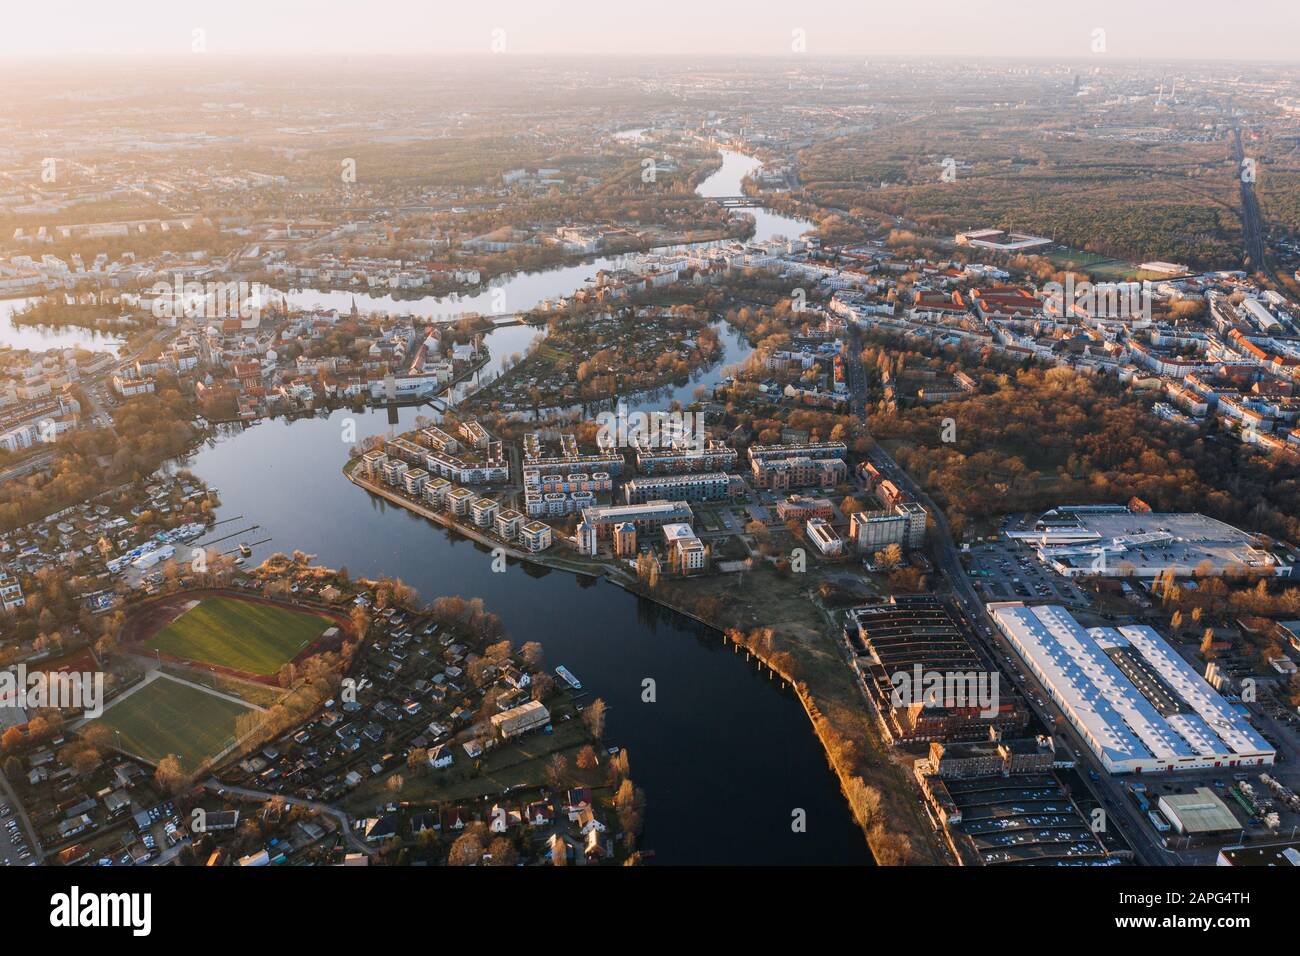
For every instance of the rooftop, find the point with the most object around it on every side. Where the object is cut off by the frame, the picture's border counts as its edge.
(1135, 701)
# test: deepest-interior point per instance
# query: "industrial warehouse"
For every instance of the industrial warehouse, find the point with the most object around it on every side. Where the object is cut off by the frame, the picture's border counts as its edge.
(1114, 541)
(1137, 705)
(902, 643)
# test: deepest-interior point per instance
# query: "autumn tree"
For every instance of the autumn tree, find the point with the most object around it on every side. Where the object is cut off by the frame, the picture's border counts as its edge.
(170, 776)
(503, 852)
(557, 771)
(532, 655)
(466, 851)
(594, 718)
(586, 759)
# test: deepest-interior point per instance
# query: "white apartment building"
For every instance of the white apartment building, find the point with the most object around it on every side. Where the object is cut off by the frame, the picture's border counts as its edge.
(535, 536)
(508, 523)
(484, 511)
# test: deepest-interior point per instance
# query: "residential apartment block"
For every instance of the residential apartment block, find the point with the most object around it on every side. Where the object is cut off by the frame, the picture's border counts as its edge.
(715, 456)
(782, 474)
(711, 486)
(649, 516)
(535, 536)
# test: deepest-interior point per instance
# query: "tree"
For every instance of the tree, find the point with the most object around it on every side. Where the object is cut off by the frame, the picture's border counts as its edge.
(628, 801)
(170, 775)
(543, 686)
(864, 800)
(86, 760)
(889, 849)
(360, 619)
(586, 759)
(619, 766)
(557, 771)
(532, 655)
(503, 852)
(466, 851)
(594, 717)
(11, 739)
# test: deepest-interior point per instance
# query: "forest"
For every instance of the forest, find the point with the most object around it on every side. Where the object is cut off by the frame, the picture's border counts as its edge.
(1035, 173)
(1034, 438)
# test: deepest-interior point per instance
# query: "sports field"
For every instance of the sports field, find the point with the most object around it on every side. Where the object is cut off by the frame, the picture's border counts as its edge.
(241, 635)
(1101, 268)
(167, 716)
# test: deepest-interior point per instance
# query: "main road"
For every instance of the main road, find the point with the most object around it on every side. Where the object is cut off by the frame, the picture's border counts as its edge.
(1252, 221)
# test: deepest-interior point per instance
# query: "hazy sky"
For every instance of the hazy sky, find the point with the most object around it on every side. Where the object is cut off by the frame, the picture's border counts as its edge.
(1156, 29)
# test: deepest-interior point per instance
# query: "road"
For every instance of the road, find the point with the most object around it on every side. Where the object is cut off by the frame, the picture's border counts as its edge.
(344, 820)
(947, 559)
(1252, 222)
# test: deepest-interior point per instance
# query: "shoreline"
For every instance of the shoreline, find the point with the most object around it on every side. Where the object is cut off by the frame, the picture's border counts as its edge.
(821, 723)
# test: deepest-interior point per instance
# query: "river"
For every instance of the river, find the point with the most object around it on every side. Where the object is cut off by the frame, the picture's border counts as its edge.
(725, 755)
(39, 338)
(524, 291)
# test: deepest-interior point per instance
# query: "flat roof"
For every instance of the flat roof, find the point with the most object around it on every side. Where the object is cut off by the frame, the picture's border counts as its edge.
(678, 531)
(1273, 854)
(1212, 714)
(1142, 543)
(599, 513)
(1198, 812)
(1127, 691)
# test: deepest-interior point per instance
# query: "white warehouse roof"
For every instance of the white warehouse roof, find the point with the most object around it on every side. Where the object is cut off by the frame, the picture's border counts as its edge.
(1175, 721)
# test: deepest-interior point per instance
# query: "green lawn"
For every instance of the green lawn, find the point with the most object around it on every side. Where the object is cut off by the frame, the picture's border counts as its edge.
(169, 717)
(1102, 268)
(253, 638)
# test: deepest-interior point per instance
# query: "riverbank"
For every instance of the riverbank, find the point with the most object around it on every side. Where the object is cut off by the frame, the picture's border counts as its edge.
(799, 647)
(576, 565)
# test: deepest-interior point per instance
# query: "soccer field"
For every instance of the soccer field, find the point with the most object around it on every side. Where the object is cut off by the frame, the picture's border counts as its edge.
(167, 716)
(241, 635)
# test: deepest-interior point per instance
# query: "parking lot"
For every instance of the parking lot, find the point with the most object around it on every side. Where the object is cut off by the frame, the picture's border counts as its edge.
(13, 845)
(1009, 571)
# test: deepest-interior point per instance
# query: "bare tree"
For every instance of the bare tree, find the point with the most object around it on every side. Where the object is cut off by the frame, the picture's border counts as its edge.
(594, 717)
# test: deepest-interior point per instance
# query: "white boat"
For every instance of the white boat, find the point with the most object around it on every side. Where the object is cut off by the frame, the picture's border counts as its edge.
(567, 676)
